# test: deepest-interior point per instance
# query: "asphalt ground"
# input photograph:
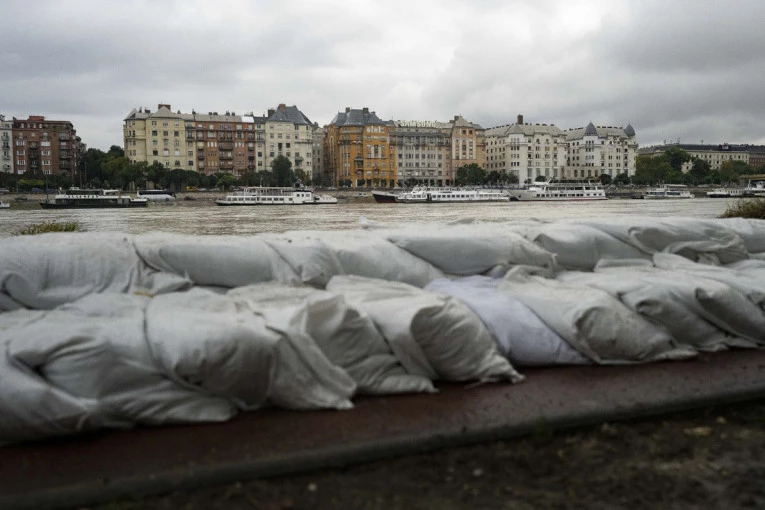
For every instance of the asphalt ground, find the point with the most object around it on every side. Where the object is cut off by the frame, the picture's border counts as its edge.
(78, 471)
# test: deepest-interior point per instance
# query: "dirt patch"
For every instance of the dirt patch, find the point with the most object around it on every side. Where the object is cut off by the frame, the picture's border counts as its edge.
(711, 458)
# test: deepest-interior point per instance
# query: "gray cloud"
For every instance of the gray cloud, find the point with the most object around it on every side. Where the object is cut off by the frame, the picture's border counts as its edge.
(688, 70)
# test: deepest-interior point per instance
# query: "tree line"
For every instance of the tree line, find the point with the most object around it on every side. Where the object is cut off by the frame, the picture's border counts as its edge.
(667, 168)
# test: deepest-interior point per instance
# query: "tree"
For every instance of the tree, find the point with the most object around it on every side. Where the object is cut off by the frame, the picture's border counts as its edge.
(281, 167)
(470, 174)
(676, 157)
(605, 179)
(700, 171)
(622, 179)
(156, 173)
(227, 180)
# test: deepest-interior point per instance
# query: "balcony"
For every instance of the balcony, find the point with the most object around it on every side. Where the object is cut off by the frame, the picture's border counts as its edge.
(65, 165)
(226, 157)
(63, 136)
(251, 158)
(64, 155)
(226, 146)
(201, 156)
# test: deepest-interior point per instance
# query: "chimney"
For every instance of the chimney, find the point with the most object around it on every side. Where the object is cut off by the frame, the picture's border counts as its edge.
(347, 109)
(365, 110)
(165, 105)
(282, 107)
(271, 111)
(456, 117)
(520, 120)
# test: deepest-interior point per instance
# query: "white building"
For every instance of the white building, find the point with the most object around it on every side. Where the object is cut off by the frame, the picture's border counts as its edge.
(6, 149)
(317, 160)
(526, 150)
(289, 133)
(597, 150)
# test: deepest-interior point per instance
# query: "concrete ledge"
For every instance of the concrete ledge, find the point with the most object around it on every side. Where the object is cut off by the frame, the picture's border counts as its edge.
(73, 472)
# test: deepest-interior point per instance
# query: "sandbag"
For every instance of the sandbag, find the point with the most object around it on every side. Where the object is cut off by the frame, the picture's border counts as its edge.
(593, 322)
(432, 335)
(48, 270)
(750, 230)
(223, 261)
(520, 335)
(211, 343)
(471, 249)
(344, 333)
(311, 259)
(94, 350)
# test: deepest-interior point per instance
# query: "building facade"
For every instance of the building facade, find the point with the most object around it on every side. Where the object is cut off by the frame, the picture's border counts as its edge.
(527, 151)
(468, 144)
(596, 150)
(423, 153)
(358, 150)
(213, 143)
(714, 155)
(42, 147)
(6, 149)
(317, 151)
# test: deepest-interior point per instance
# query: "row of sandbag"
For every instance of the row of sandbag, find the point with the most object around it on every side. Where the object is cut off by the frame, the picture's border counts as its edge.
(116, 360)
(42, 272)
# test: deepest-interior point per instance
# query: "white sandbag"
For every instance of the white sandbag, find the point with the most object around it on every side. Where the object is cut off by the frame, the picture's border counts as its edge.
(47, 270)
(432, 335)
(30, 407)
(581, 247)
(210, 342)
(344, 333)
(749, 281)
(224, 261)
(311, 259)
(520, 335)
(750, 230)
(94, 350)
(593, 322)
(471, 249)
(699, 240)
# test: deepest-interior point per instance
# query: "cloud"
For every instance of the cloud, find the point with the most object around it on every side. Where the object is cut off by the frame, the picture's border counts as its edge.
(681, 69)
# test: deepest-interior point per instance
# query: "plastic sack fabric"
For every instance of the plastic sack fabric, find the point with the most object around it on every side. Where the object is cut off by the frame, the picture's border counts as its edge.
(94, 351)
(48, 270)
(670, 302)
(211, 343)
(520, 335)
(30, 407)
(698, 240)
(471, 249)
(751, 231)
(224, 261)
(581, 247)
(593, 322)
(750, 281)
(311, 259)
(344, 333)
(432, 335)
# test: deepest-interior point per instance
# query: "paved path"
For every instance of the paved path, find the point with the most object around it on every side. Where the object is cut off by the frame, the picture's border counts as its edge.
(73, 472)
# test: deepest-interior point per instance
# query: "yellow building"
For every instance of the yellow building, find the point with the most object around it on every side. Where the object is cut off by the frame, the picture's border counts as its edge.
(358, 150)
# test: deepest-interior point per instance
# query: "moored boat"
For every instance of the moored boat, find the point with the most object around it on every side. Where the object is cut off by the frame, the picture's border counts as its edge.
(76, 198)
(554, 191)
(4, 205)
(384, 197)
(755, 189)
(275, 196)
(426, 195)
(668, 191)
(725, 193)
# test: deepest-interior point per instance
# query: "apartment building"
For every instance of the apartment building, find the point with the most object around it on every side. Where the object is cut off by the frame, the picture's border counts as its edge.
(423, 152)
(289, 133)
(43, 147)
(317, 151)
(596, 150)
(714, 154)
(358, 148)
(526, 150)
(468, 143)
(6, 149)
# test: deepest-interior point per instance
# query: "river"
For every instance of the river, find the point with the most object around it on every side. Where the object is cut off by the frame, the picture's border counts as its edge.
(202, 216)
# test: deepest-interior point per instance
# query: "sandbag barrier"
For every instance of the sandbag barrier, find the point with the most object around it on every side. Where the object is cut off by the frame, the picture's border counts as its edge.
(106, 330)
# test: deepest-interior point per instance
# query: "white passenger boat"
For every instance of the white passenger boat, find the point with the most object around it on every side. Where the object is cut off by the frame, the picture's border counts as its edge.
(755, 189)
(275, 196)
(725, 193)
(554, 191)
(76, 198)
(4, 205)
(424, 194)
(668, 191)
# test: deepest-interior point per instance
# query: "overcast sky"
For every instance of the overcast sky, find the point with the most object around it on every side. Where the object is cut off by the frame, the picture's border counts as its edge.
(691, 70)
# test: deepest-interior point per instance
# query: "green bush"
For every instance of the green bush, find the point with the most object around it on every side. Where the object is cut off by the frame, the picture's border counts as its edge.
(746, 208)
(49, 226)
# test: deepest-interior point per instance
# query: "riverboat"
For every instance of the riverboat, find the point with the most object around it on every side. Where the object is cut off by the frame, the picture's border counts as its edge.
(668, 191)
(4, 205)
(275, 196)
(76, 198)
(384, 197)
(725, 193)
(555, 191)
(426, 195)
(755, 189)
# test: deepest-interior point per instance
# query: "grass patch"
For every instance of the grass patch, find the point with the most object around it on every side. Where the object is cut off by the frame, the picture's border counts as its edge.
(49, 226)
(746, 208)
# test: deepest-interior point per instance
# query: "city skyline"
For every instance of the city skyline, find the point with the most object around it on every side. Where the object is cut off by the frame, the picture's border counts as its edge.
(685, 70)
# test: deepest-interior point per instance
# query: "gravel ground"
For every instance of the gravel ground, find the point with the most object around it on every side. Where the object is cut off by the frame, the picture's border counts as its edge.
(710, 458)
